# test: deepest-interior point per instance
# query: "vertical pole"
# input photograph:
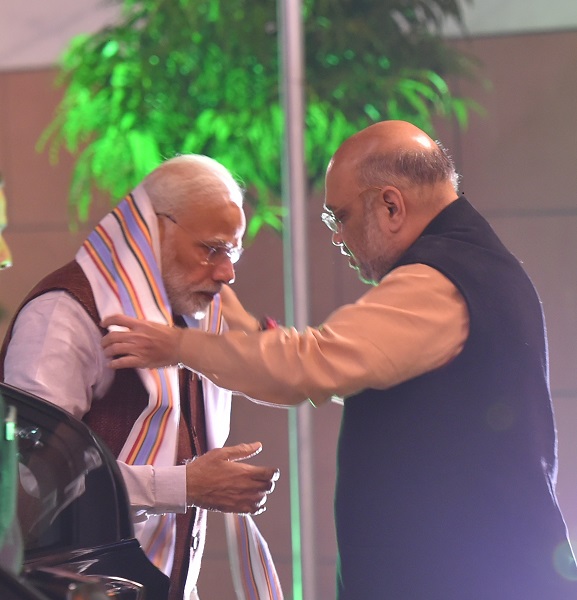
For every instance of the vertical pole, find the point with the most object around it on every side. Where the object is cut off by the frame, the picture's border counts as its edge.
(294, 192)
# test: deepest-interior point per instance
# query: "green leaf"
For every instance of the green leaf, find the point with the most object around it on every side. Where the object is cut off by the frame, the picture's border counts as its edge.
(203, 76)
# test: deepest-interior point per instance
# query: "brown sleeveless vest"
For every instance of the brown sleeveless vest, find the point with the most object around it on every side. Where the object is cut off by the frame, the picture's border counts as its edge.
(112, 416)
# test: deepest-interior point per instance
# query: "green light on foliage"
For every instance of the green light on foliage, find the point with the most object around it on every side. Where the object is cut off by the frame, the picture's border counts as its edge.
(339, 93)
(217, 91)
(384, 62)
(332, 59)
(372, 112)
(110, 49)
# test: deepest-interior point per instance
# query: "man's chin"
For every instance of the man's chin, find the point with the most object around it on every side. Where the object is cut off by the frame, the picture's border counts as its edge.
(200, 308)
(202, 302)
(360, 269)
(366, 278)
(366, 274)
(196, 308)
(195, 304)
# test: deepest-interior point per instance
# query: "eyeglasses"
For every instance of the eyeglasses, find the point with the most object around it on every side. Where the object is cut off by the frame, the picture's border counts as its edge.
(331, 222)
(334, 224)
(215, 253)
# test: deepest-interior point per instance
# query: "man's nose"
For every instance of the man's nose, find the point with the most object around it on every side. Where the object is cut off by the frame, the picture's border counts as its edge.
(337, 238)
(223, 271)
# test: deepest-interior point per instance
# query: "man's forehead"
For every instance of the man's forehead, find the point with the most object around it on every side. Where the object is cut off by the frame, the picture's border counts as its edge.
(340, 183)
(217, 220)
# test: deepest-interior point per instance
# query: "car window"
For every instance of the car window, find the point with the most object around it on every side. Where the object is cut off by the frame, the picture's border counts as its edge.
(70, 494)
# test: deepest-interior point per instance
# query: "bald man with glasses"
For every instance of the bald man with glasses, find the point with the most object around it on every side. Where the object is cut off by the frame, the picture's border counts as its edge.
(447, 462)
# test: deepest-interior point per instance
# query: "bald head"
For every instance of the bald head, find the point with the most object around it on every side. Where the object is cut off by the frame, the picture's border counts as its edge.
(387, 137)
(384, 185)
(400, 154)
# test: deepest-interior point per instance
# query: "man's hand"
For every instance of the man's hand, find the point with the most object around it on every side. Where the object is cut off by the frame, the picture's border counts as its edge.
(141, 343)
(216, 481)
(234, 313)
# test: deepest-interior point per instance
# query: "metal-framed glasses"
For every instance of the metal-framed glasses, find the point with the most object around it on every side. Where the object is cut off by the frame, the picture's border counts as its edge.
(331, 222)
(334, 224)
(215, 252)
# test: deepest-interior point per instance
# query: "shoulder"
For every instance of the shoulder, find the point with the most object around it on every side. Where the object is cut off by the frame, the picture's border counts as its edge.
(56, 310)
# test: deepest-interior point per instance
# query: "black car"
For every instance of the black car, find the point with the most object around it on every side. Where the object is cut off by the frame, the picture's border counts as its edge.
(73, 512)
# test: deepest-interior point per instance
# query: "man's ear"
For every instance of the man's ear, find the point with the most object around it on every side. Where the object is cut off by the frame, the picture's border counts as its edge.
(393, 204)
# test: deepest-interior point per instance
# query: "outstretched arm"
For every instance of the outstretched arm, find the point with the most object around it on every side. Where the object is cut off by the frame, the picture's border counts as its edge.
(133, 343)
(414, 321)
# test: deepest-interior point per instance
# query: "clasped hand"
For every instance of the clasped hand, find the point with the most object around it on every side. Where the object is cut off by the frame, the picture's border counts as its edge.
(218, 481)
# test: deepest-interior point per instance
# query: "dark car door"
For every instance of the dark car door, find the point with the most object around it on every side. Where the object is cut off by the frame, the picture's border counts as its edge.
(73, 508)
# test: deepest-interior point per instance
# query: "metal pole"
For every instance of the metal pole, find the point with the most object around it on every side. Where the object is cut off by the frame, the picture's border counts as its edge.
(294, 192)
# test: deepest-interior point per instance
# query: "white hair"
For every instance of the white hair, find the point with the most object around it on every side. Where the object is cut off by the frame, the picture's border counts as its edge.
(189, 179)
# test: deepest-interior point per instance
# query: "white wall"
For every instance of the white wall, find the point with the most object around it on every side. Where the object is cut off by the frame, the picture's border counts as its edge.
(490, 17)
(33, 33)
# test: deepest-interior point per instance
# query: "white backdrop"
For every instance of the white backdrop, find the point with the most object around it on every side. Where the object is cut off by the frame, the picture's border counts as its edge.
(33, 33)
(491, 17)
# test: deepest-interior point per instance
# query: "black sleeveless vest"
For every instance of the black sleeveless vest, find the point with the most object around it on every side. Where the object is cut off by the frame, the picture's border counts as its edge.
(445, 483)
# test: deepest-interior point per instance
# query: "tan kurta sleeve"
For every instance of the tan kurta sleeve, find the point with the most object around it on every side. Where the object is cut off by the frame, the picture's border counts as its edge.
(414, 321)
